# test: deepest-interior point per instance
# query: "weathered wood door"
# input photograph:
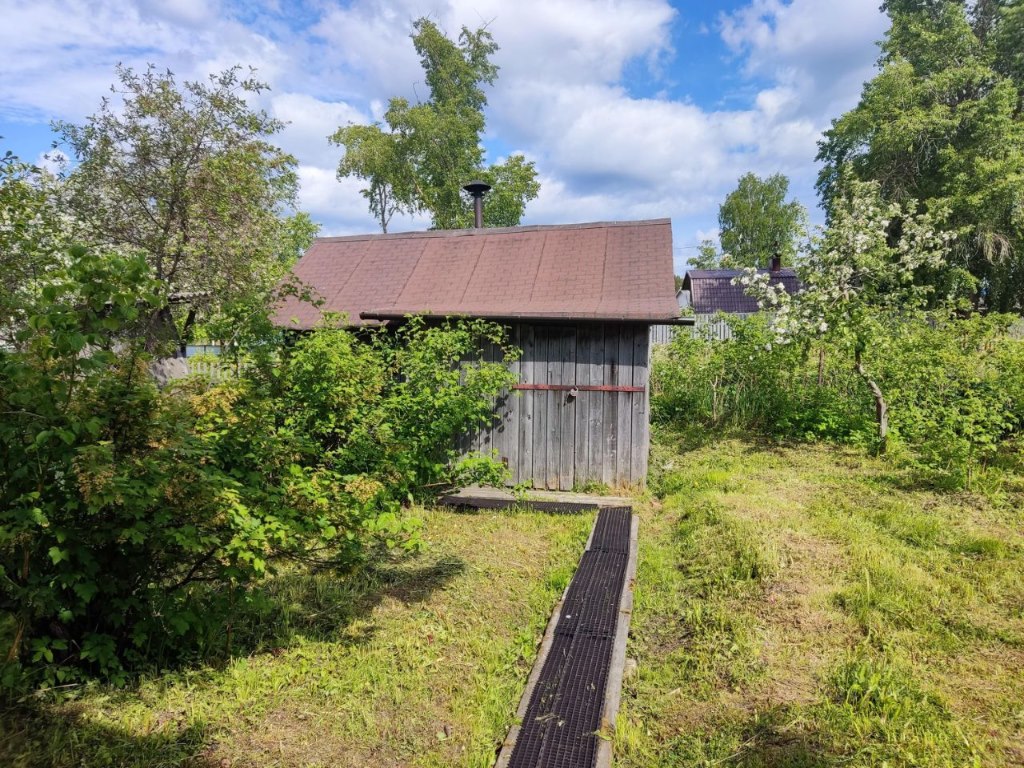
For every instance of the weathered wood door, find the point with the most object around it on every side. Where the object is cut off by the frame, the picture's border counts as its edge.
(579, 414)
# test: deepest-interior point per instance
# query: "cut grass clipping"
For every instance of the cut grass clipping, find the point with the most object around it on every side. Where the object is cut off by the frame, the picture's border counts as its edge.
(808, 606)
(421, 663)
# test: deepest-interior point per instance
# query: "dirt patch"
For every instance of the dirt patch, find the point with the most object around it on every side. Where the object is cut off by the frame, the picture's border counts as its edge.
(303, 737)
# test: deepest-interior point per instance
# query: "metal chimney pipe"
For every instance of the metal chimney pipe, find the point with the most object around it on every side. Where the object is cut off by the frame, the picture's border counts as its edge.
(776, 257)
(478, 189)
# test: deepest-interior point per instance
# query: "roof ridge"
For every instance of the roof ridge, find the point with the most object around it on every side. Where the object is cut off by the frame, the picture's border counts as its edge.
(478, 231)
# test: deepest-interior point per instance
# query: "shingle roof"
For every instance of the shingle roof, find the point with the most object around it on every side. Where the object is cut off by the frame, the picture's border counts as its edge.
(608, 270)
(711, 290)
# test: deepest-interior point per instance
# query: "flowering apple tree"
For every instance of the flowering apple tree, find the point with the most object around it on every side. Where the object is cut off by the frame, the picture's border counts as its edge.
(861, 276)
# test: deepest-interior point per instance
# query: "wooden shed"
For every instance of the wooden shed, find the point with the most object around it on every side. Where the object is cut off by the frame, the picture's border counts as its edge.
(579, 301)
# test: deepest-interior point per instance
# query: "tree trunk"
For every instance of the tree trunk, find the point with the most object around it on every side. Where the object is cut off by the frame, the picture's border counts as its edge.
(881, 408)
(821, 367)
(186, 332)
(23, 618)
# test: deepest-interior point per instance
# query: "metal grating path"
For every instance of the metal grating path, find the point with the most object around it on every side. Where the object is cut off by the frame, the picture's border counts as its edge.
(611, 532)
(565, 709)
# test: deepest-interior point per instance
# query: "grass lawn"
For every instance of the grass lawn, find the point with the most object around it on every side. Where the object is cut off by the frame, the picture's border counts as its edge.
(809, 606)
(417, 664)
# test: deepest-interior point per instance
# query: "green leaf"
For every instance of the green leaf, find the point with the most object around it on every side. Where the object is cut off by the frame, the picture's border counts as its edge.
(86, 590)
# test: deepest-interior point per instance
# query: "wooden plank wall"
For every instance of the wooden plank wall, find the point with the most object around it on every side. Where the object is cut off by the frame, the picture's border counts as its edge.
(554, 441)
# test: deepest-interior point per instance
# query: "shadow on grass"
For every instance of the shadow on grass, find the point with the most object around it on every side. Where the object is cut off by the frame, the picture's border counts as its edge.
(34, 736)
(290, 608)
(320, 605)
(773, 739)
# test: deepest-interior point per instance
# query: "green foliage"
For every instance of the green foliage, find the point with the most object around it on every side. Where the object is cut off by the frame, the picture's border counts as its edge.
(134, 520)
(957, 392)
(429, 150)
(392, 408)
(707, 257)
(748, 382)
(31, 236)
(942, 124)
(954, 389)
(756, 222)
(187, 176)
(857, 277)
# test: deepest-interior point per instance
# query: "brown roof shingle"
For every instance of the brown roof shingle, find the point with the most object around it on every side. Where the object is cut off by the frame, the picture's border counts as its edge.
(609, 270)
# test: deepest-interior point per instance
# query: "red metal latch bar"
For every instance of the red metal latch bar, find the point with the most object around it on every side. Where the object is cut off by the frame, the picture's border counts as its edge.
(578, 387)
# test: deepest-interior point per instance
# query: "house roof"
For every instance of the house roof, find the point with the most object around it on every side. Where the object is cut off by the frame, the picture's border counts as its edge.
(599, 271)
(711, 290)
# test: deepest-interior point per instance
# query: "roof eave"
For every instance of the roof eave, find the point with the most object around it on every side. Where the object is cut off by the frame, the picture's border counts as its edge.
(553, 317)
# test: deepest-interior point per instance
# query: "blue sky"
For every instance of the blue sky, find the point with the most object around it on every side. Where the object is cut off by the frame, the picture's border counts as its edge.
(637, 109)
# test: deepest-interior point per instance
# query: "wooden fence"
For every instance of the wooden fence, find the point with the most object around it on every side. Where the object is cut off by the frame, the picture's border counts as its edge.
(715, 327)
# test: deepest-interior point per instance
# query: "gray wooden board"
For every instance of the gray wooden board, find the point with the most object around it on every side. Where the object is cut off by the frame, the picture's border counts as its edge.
(584, 346)
(550, 440)
(567, 415)
(513, 408)
(624, 411)
(595, 431)
(641, 408)
(610, 405)
(552, 449)
(525, 472)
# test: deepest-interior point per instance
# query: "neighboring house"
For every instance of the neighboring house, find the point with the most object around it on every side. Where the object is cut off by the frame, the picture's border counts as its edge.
(578, 300)
(708, 292)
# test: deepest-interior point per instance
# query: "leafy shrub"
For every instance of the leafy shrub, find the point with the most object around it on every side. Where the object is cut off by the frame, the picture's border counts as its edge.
(954, 387)
(133, 518)
(749, 382)
(392, 407)
(957, 392)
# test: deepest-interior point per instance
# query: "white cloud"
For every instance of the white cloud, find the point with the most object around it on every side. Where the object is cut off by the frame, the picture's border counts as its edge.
(819, 52)
(192, 13)
(309, 122)
(53, 161)
(60, 56)
(561, 96)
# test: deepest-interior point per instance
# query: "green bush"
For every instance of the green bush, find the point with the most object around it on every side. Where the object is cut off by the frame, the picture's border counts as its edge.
(392, 407)
(132, 519)
(954, 388)
(748, 382)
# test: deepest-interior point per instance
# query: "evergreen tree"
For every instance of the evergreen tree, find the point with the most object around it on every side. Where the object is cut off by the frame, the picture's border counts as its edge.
(942, 123)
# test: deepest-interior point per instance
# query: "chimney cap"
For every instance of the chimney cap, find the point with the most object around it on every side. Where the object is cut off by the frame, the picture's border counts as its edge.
(477, 188)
